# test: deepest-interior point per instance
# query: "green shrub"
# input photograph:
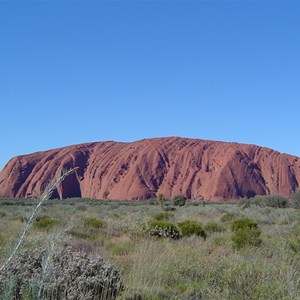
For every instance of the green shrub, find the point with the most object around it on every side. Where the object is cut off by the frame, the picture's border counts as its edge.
(276, 201)
(162, 229)
(294, 243)
(45, 223)
(163, 216)
(169, 208)
(246, 236)
(245, 233)
(243, 223)
(189, 228)
(295, 199)
(227, 217)
(93, 222)
(81, 207)
(179, 200)
(160, 199)
(122, 248)
(214, 227)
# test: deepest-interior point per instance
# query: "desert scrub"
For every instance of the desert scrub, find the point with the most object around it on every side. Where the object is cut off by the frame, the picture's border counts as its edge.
(179, 200)
(293, 243)
(45, 196)
(45, 223)
(65, 274)
(162, 229)
(276, 201)
(295, 199)
(93, 222)
(121, 246)
(163, 216)
(160, 199)
(245, 233)
(214, 227)
(227, 217)
(189, 228)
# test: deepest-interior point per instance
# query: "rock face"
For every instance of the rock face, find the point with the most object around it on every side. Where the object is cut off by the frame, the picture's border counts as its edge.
(140, 170)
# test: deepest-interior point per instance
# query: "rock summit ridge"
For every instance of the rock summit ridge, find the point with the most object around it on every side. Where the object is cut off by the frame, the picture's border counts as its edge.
(139, 170)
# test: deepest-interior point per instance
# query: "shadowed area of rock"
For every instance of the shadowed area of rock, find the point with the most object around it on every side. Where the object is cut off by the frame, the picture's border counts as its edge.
(140, 170)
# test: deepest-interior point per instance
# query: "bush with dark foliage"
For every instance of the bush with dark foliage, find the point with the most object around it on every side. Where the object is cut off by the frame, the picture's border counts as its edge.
(245, 233)
(162, 229)
(179, 200)
(189, 228)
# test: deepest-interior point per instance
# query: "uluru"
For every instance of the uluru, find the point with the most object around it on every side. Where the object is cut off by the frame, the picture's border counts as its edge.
(196, 168)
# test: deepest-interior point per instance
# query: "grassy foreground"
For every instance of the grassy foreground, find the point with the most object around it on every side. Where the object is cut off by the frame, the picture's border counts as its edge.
(153, 267)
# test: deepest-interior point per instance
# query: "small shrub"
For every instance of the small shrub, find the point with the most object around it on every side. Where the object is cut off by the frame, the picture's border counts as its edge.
(170, 208)
(162, 229)
(116, 205)
(189, 228)
(244, 203)
(245, 233)
(246, 236)
(66, 274)
(294, 243)
(160, 199)
(179, 200)
(295, 199)
(93, 222)
(45, 223)
(19, 218)
(276, 201)
(227, 217)
(122, 248)
(79, 233)
(163, 216)
(214, 227)
(243, 223)
(81, 207)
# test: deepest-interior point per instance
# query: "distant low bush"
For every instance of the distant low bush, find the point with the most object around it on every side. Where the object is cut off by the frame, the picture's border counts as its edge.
(122, 248)
(294, 243)
(245, 233)
(160, 199)
(189, 228)
(179, 200)
(169, 208)
(243, 223)
(276, 201)
(45, 223)
(163, 216)
(162, 229)
(93, 222)
(227, 217)
(81, 207)
(295, 199)
(214, 227)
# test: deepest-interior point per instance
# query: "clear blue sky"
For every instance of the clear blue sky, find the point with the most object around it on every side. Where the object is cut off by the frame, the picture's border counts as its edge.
(83, 71)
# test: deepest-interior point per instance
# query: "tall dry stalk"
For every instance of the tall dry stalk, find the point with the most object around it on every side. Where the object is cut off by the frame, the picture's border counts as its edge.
(46, 195)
